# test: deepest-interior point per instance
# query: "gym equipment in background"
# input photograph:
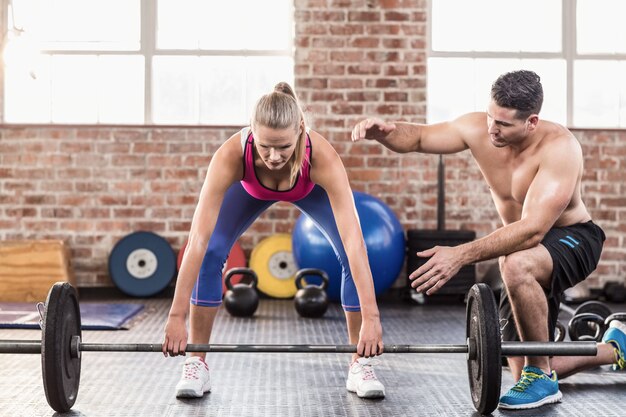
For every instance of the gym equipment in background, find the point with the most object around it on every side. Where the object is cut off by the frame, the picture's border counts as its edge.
(61, 348)
(420, 240)
(236, 259)
(142, 264)
(241, 300)
(384, 239)
(273, 262)
(311, 300)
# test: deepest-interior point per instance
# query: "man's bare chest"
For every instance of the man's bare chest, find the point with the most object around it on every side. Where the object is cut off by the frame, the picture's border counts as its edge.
(508, 179)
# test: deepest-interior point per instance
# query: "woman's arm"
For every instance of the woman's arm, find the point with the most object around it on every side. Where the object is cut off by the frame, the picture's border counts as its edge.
(224, 169)
(328, 171)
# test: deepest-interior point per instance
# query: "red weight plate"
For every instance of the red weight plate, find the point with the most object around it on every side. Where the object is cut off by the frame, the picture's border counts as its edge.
(236, 259)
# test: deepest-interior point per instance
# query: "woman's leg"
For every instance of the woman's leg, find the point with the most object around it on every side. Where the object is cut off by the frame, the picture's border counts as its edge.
(237, 213)
(361, 379)
(317, 207)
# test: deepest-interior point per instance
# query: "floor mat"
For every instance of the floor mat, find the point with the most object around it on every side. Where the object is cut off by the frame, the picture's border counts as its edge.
(94, 316)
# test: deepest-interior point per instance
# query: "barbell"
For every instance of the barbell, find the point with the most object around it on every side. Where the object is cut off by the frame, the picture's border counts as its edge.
(61, 346)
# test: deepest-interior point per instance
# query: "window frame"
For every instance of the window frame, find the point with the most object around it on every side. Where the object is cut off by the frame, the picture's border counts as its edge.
(147, 48)
(568, 53)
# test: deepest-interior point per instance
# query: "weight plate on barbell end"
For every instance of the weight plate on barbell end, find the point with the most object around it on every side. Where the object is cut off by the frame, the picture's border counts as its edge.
(142, 264)
(60, 370)
(485, 369)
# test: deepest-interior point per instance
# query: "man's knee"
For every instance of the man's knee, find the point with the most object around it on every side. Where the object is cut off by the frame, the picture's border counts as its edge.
(516, 269)
(527, 267)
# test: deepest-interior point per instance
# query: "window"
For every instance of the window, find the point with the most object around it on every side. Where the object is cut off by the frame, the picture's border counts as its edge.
(577, 47)
(143, 61)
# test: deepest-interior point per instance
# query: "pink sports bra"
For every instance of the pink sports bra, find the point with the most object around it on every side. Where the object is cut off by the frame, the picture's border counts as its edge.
(253, 186)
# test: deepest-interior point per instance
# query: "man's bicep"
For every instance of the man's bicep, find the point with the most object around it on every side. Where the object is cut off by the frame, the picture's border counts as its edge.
(455, 135)
(441, 138)
(550, 193)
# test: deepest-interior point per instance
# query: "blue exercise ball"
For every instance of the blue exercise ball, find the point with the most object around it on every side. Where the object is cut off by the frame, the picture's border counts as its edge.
(384, 239)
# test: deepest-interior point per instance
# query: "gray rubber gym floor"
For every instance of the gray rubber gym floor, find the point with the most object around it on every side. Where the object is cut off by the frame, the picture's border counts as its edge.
(292, 384)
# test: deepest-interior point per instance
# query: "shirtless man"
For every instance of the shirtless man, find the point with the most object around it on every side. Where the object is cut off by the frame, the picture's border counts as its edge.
(547, 243)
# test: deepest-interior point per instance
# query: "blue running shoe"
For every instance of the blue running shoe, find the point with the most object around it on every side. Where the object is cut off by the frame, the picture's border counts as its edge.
(533, 389)
(616, 336)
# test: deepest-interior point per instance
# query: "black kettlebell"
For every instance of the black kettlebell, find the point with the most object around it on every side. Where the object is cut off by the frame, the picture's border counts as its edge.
(311, 300)
(588, 321)
(241, 300)
(580, 324)
(559, 332)
(614, 316)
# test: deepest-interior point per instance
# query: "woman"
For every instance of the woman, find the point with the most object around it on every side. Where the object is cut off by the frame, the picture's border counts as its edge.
(276, 159)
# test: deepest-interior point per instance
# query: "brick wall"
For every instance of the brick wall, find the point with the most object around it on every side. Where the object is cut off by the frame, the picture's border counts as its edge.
(91, 186)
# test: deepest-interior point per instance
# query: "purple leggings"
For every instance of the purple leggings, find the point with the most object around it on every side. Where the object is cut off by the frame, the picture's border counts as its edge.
(239, 209)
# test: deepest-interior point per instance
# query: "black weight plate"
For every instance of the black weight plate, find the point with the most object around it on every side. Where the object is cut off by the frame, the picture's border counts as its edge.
(61, 372)
(483, 328)
(142, 264)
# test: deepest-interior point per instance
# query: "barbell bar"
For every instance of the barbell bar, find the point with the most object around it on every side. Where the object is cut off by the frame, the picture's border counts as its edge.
(507, 348)
(61, 346)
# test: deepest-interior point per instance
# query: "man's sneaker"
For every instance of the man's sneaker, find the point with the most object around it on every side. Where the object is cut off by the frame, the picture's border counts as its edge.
(534, 389)
(195, 380)
(616, 336)
(363, 381)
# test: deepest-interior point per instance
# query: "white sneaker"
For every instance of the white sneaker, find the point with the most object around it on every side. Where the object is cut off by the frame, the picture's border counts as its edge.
(195, 380)
(363, 381)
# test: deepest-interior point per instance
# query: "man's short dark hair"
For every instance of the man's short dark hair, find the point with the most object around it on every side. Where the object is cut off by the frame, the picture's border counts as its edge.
(519, 90)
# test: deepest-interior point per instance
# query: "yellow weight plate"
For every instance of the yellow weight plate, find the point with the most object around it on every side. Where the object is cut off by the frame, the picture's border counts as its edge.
(273, 262)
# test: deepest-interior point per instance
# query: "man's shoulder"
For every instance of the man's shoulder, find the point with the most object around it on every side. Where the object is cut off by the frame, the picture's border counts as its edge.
(558, 140)
(472, 126)
(558, 135)
(473, 117)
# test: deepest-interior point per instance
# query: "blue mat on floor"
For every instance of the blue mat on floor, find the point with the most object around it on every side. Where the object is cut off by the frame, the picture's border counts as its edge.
(94, 316)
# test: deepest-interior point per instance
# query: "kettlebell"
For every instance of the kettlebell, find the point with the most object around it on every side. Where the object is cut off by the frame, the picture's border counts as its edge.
(615, 316)
(580, 324)
(588, 321)
(559, 332)
(311, 300)
(241, 300)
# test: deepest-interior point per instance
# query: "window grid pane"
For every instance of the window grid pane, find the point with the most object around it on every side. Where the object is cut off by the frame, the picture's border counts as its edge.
(175, 89)
(607, 37)
(213, 90)
(73, 89)
(82, 25)
(27, 98)
(121, 76)
(222, 90)
(597, 99)
(496, 26)
(205, 25)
